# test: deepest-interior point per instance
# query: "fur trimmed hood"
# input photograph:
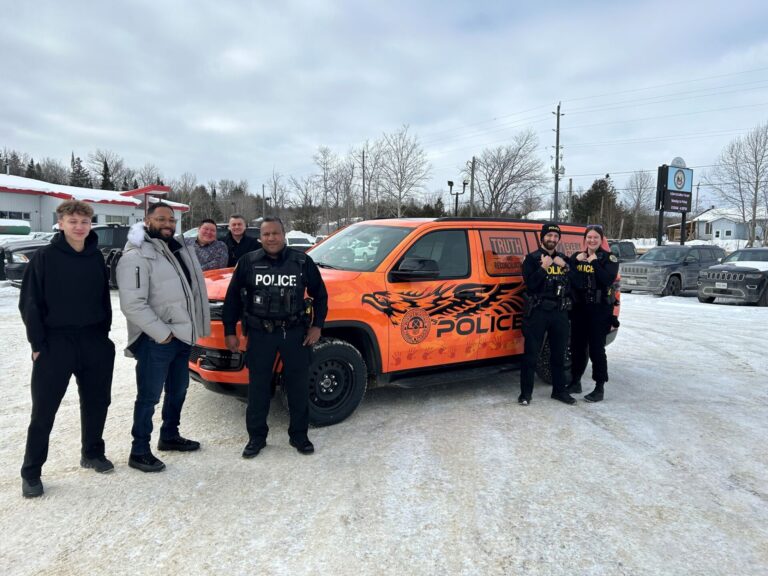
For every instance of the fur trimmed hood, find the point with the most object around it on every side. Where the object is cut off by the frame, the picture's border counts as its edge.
(137, 234)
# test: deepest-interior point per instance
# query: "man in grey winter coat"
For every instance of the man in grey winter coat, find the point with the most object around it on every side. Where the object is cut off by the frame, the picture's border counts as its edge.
(163, 297)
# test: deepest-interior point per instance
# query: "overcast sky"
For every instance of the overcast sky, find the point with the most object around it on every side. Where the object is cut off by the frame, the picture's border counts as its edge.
(236, 89)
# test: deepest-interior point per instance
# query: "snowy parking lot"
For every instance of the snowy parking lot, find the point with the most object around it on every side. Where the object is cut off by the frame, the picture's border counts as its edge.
(668, 476)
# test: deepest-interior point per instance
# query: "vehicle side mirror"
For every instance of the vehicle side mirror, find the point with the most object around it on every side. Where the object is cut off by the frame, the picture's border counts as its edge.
(720, 259)
(689, 259)
(416, 269)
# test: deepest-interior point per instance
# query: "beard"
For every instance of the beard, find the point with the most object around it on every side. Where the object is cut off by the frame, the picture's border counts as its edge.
(549, 245)
(157, 233)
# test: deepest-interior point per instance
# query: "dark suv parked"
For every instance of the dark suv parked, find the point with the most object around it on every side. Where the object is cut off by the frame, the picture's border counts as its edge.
(668, 270)
(15, 255)
(743, 276)
(624, 250)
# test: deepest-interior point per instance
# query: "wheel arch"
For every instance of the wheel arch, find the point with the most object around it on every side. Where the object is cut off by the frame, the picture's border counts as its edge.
(362, 337)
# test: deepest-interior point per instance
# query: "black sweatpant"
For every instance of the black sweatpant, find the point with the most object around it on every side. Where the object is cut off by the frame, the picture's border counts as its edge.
(262, 350)
(590, 324)
(88, 354)
(543, 322)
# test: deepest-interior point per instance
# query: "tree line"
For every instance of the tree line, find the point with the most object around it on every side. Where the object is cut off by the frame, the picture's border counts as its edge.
(387, 177)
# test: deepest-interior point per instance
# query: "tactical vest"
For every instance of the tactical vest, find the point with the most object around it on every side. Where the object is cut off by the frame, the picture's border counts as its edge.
(586, 288)
(556, 285)
(276, 292)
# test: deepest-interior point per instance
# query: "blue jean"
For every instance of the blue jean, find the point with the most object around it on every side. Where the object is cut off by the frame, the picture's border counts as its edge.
(158, 367)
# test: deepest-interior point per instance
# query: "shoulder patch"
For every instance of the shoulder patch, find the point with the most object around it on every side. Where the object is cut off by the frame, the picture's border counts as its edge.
(613, 258)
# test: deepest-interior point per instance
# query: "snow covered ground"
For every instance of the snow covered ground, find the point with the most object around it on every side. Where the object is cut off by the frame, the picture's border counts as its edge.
(668, 476)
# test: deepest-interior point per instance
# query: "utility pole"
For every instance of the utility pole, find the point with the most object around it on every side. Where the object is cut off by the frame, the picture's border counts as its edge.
(570, 199)
(557, 163)
(365, 204)
(472, 189)
(263, 203)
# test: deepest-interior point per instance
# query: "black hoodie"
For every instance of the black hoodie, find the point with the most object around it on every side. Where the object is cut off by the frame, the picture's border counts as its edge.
(65, 290)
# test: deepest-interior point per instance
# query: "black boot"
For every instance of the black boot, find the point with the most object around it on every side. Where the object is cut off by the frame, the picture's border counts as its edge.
(574, 387)
(597, 394)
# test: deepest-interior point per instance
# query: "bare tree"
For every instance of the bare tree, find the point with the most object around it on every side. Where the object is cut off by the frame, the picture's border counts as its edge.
(326, 160)
(404, 167)
(54, 171)
(102, 161)
(639, 197)
(305, 194)
(148, 175)
(507, 175)
(370, 176)
(741, 175)
(278, 191)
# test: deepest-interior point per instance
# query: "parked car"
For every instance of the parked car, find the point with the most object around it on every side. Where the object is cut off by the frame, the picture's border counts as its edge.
(668, 270)
(743, 275)
(624, 250)
(297, 243)
(15, 255)
(439, 300)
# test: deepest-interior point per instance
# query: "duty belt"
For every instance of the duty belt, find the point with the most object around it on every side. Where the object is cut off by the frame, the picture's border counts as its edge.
(268, 324)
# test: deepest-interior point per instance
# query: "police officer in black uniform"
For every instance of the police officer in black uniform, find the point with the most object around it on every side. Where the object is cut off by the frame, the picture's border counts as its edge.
(593, 274)
(267, 293)
(545, 272)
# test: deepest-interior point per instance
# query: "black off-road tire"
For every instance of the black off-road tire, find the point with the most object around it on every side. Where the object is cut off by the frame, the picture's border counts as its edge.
(673, 286)
(543, 368)
(763, 298)
(337, 382)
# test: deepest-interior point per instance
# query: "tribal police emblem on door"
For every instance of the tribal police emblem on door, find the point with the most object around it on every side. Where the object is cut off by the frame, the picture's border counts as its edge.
(415, 326)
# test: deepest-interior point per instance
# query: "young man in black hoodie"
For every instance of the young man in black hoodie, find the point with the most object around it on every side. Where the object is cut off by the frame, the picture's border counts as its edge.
(65, 306)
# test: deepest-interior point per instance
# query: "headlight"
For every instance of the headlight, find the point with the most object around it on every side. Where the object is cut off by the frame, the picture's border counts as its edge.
(18, 258)
(702, 273)
(754, 276)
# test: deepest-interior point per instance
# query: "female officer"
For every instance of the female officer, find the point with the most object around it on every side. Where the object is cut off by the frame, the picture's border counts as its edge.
(593, 273)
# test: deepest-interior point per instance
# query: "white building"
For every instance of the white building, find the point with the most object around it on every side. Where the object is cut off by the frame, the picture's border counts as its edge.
(35, 202)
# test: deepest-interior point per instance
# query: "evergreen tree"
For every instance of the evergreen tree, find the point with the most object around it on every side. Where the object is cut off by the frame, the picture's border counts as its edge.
(79, 175)
(106, 179)
(135, 184)
(599, 205)
(125, 185)
(30, 171)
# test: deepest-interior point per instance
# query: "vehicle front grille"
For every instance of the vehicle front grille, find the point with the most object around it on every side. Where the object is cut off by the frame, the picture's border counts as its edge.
(728, 276)
(634, 270)
(196, 353)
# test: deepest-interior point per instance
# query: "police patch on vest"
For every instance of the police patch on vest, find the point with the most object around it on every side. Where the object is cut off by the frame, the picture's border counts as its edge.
(275, 280)
(613, 258)
(415, 326)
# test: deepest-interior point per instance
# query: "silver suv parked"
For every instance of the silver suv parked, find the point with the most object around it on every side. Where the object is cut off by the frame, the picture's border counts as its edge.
(668, 270)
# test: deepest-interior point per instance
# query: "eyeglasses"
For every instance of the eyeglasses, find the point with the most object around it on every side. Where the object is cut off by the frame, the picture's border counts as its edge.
(163, 219)
(596, 227)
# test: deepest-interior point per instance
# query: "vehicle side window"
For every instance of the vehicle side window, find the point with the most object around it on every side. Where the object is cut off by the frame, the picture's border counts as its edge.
(449, 248)
(503, 251)
(615, 250)
(693, 256)
(627, 250)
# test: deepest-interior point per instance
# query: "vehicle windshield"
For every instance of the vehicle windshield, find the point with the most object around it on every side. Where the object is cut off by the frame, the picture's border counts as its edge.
(748, 256)
(298, 241)
(359, 247)
(664, 254)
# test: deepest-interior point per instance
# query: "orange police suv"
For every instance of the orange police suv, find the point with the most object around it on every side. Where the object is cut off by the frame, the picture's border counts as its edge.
(410, 302)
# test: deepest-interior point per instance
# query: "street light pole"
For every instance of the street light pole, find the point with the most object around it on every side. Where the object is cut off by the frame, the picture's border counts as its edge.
(456, 195)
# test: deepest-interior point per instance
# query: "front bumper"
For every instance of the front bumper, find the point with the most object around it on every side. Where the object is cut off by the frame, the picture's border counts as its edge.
(746, 291)
(643, 284)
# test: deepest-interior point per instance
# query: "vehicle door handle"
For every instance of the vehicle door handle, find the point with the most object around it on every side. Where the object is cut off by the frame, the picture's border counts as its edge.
(468, 295)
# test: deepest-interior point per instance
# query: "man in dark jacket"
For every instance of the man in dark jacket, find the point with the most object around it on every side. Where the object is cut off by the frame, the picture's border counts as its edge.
(65, 306)
(547, 302)
(237, 241)
(267, 293)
